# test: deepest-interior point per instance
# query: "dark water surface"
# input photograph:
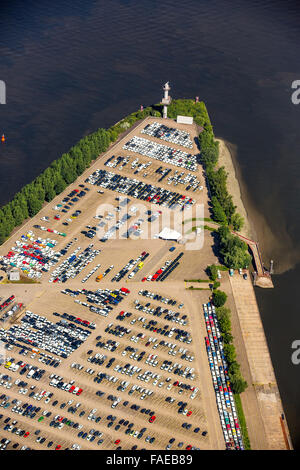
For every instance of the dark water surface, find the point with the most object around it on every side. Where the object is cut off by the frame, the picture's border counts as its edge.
(73, 66)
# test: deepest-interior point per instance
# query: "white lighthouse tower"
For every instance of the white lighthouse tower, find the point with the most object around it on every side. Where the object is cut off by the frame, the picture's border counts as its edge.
(166, 99)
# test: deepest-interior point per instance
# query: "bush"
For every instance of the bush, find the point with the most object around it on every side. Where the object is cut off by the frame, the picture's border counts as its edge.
(233, 250)
(237, 222)
(230, 353)
(212, 272)
(219, 298)
(238, 384)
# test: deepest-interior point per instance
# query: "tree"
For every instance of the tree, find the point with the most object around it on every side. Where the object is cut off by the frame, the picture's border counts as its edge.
(237, 258)
(222, 312)
(238, 384)
(17, 213)
(219, 298)
(212, 271)
(218, 212)
(230, 353)
(225, 324)
(237, 222)
(233, 250)
(234, 368)
(8, 219)
(227, 337)
(60, 185)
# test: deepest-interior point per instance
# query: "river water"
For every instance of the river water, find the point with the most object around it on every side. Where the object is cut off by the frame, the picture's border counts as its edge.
(72, 66)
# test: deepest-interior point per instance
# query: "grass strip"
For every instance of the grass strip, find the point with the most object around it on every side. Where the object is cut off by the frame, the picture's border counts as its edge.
(242, 421)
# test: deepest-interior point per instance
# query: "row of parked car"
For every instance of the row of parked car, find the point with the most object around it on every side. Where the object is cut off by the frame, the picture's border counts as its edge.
(72, 266)
(169, 134)
(132, 263)
(33, 255)
(68, 201)
(189, 180)
(60, 338)
(103, 298)
(219, 371)
(140, 190)
(159, 297)
(79, 321)
(170, 315)
(161, 152)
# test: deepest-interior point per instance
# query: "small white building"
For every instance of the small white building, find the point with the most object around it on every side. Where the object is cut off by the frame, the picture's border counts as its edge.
(13, 274)
(184, 119)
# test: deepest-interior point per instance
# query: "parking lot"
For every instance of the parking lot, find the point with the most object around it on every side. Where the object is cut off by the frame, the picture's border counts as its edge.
(110, 341)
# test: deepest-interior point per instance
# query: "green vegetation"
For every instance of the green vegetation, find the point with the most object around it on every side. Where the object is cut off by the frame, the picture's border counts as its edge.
(233, 250)
(237, 382)
(242, 421)
(212, 272)
(62, 172)
(198, 288)
(196, 280)
(206, 219)
(237, 222)
(223, 209)
(206, 227)
(219, 298)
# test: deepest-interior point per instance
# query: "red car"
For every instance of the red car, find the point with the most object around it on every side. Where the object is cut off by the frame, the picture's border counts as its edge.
(123, 289)
(58, 447)
(72, 388)
(188, 447)
(144, 279)
(26, 434)
(152, 419)
(117, 441)
(189, 413)
(79, 392)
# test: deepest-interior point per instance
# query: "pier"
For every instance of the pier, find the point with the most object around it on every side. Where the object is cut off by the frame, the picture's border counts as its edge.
(262, 277)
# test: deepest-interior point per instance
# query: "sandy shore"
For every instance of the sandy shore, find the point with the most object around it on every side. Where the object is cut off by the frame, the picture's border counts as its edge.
(226, 160)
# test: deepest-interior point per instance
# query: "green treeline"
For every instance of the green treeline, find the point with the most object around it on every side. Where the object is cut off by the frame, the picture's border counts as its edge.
(62, 172)
(223, 209)
(238, 384)
(234, 252)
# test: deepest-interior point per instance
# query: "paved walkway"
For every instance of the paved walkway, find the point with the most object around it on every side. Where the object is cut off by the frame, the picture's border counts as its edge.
(267, 426)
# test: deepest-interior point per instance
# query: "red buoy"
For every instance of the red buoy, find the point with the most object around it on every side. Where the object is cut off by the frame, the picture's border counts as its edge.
(3, 138)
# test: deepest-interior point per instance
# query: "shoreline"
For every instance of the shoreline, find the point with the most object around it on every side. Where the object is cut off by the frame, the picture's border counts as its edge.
(234, 189)
(266, 387)
(226, 159)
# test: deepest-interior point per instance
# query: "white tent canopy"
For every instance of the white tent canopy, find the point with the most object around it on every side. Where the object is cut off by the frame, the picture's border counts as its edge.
(169, 234)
